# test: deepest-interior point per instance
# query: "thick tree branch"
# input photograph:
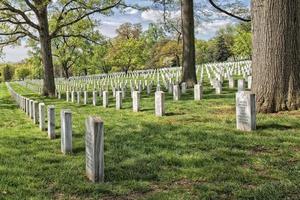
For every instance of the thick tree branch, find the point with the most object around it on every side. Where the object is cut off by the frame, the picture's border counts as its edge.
(77, 36)
(59, 27)
(228, 13)
(32, 7)
(10, 8)
(11, 41)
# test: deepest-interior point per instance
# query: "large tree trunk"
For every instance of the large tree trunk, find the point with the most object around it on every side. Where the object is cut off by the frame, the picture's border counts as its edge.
(46, 53)
(276, 54)
(188, 35)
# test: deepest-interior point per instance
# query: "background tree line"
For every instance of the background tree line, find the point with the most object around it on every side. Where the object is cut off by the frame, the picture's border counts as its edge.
(131, 49)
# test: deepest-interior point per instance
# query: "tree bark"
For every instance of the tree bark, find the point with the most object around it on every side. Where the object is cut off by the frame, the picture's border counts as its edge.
(188, 36)
(276, 50)
(46, 53)
(66, 69)
(177, 60)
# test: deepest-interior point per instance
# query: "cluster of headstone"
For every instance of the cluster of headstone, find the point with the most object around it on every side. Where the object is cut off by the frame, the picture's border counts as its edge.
(83, 89)
(36, 111)
(94, 140)
(133, 84)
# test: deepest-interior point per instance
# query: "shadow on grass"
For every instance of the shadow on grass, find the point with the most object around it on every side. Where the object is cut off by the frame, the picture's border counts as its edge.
(277, 126)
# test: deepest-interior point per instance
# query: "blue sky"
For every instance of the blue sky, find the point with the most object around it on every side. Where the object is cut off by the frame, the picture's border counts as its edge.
(109, 24)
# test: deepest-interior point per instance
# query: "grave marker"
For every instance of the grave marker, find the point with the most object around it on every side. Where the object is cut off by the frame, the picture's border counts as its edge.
(66, 131)
(118, 100)
(159, 103)
(245, 111)
(42, 116)
(198, 92)
(136, 101)
(105, 99)
(51, 122)
(94, 148)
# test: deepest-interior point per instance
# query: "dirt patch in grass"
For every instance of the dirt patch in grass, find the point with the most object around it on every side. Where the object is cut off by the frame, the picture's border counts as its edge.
(184, 184)
(259, 150)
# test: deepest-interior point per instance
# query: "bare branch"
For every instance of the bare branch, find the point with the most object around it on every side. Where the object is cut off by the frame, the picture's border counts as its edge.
(59, 27)
(77, 36)
(13, 40)
(10, 8)
(228, 13)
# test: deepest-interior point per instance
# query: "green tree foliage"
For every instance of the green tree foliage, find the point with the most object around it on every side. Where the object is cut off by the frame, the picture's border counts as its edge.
(126, 54)
(223, 51)
(154, 34)
(242, 46)
(232, 42)
(97, 58)
(22, 72)
(165, 54)
(127, 50)
(7, 73)
(44, 21)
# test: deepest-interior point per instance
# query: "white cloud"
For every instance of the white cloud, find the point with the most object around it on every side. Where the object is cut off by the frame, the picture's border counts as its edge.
(15, 54)
(157, 15)
(208, 29)
(152, 15)
(111, 23)
(130, 11)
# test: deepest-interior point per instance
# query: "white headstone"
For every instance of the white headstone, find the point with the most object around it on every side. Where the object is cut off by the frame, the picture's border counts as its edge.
(183, 87)
(51, 122)
(198, 92)
(118, 100)
(94, 98)
(136, 101)
(105, 99)
(66, 131)
(159, 103)
(241, 85)
(85, 97)
(245, 111)
(94, 148)
(35, 112)
(42, 116)
(176, 92)
(231, 82)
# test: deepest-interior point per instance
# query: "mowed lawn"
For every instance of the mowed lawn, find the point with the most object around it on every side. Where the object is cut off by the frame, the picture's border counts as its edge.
(194, 152)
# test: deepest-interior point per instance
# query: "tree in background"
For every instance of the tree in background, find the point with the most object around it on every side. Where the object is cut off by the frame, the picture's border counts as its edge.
(34, 61)
(231, 43)
(166, 53)
(242, 46)
(126, 54)
(70, 52)
(153, 34)
(22, 72)
(7, 73)
(223, 51)
(129, 30)
(97, 58)
(126, 51)
(44, 21)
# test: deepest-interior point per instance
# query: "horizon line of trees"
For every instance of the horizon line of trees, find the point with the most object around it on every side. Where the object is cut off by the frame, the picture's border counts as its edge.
(132, 49)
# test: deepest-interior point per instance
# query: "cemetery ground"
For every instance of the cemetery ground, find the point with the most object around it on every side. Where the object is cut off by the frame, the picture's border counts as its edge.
(194, 152)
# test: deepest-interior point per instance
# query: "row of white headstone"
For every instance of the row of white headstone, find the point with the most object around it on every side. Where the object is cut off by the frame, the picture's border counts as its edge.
(94, 138)
(135, 95)
(163, 77)
(176, 91)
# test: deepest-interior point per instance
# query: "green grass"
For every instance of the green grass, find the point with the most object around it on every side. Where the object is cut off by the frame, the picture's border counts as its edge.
(195, 152)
